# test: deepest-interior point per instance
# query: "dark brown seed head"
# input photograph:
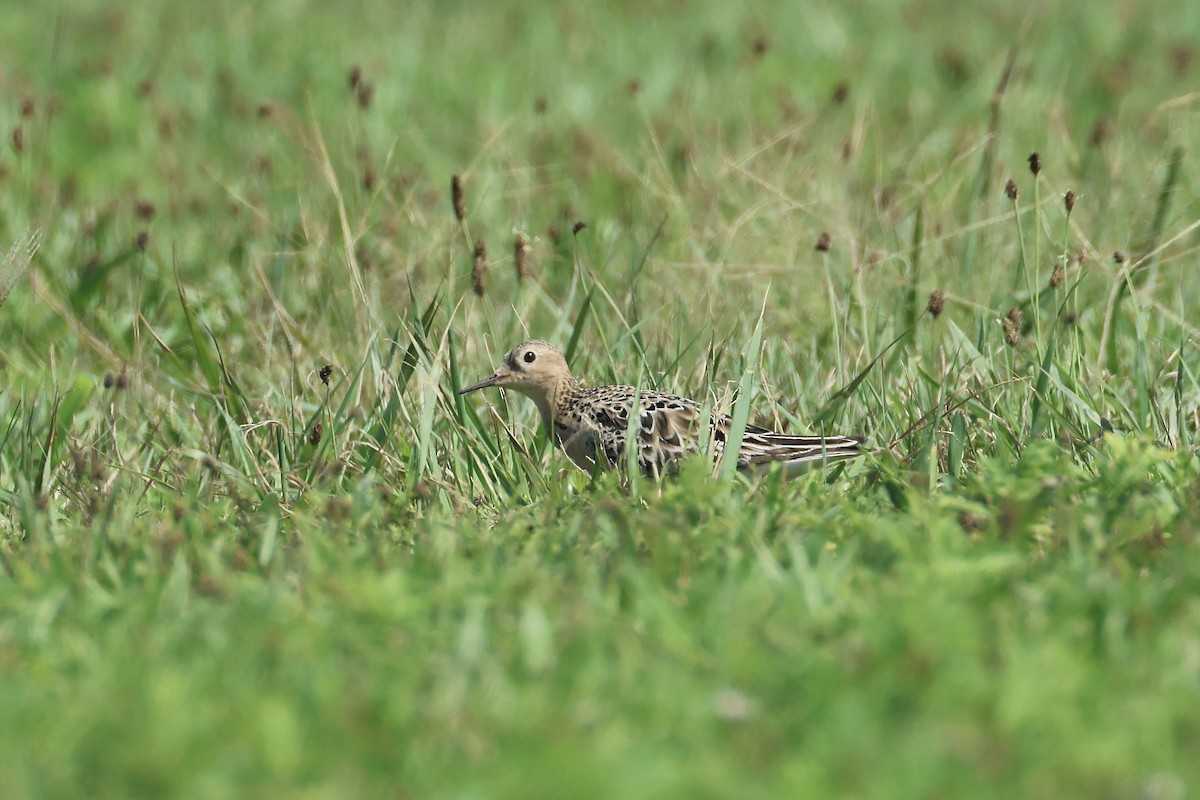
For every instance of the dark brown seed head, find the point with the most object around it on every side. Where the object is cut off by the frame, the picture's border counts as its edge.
(364, 94)
(1182, 56)
(315, 434)
(1035, 163)
(761, 45)
(369, 179)
(145, 88)
(265, 109)
(479, 270)
(144, 209)
(143, 239)
(355, 77)
(633, 86)
(1069, 201)
(840, 93)
(109, 380)
(937, 303)
(1119, 257)
(1011, 190)
(1012, 325)
(1070, 318)
(122, 381)
(1058, 273)
(539, 105)
(520, 254)
(456, 197)
(824, 242)
(324, 373)
(17, 138)
(577, 227)
(27, 108)
(1081, 257)
(1101, 130)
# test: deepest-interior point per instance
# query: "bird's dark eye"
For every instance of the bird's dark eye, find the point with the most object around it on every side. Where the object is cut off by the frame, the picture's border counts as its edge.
(530, 356)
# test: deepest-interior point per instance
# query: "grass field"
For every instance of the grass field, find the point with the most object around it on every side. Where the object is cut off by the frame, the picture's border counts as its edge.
(228, 572)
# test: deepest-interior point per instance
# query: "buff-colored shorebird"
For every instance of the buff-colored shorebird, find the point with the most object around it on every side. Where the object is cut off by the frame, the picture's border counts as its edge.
(592, 425)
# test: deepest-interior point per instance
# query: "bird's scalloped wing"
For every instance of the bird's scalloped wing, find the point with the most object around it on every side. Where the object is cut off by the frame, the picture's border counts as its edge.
(667, 429)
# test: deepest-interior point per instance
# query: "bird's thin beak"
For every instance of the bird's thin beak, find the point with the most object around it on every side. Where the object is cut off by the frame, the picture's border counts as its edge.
(491, 380)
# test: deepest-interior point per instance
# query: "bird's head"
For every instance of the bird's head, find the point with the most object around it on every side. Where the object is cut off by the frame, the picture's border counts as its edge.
(533, 368)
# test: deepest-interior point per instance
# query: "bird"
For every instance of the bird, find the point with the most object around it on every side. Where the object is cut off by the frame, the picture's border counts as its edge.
(593, 425)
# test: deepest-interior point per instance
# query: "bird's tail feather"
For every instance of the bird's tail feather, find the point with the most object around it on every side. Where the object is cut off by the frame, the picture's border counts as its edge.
(760, 449)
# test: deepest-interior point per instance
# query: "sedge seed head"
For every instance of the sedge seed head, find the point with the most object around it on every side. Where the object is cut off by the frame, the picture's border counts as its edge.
(1058, 273)
(1012, 325)
(456, 197)
(520, 256)
(479, 269)
(937, 303)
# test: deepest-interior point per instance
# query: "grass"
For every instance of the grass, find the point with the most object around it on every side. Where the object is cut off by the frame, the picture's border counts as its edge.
(255, 544)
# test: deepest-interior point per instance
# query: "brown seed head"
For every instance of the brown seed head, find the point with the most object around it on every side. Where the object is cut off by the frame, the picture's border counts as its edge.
(108, 380)
(1069, 201)
(265, 109)
(1035, 163)
(539, 105)
(1012, 325)
(368, 179)
(27, 108)
(824, 242)
(840, 93)
(577, 227)
(324, 373)
(479, 270)
(1101, 131)
(633, 86)
(143, 239)
(520, 254)
(315, 434)
(761, 45)
(1058, 273)
(937, 303)
(1182, 56)
(364, 94)
(456, 197)
(144, 209)
(18, 140)
(355, 77)
(1119, 257)
(1011, 190)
